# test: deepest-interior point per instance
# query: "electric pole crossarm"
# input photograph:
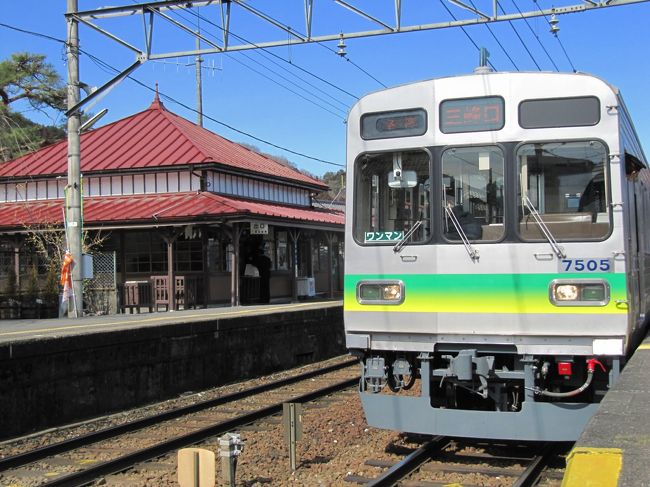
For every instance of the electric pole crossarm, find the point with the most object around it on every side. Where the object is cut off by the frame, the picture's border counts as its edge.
(296, 38)
(127, 10)
(75, 108)
(309, 6)
(274, 22)
(185, 28)
(225, 22)
(363, 14)
(148, 32)
(398, 13)
(471, 9)
(107, 34)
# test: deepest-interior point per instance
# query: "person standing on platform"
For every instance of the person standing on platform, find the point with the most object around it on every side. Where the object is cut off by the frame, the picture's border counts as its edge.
(263, 264)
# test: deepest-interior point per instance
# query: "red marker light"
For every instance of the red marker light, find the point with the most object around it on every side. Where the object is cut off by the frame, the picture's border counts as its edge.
(564, 368)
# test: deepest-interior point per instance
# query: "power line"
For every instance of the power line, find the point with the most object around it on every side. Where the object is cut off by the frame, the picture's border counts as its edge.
(304, 35)
(535, 35)
(352, 62)
(37, 34)
(286, 79)
(464, 31)
(521, 40)
(487, 26)
(558, 40)
(270, 53)
(173, 100)
(287, 88)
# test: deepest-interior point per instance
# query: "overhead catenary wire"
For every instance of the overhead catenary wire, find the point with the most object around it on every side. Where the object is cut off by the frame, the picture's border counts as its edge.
(323, 45)
(487, 26)
(292, 90)
(536, 36)
(228, 126)
(269, 53)
(521, 40)
(173, 100)
(566, 54)
(465, 31)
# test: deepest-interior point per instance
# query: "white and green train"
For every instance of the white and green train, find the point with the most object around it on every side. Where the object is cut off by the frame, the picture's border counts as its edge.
(497, 252)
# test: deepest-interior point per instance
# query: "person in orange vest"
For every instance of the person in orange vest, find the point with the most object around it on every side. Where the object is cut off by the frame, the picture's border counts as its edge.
(66, 276)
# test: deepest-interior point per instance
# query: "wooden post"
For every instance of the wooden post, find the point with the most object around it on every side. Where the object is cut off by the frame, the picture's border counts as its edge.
(295, 235)
(330, 265)
(169, 238)
(122, 297)
(171, 287)
(234, 266)
(206, 271)
(17, 246)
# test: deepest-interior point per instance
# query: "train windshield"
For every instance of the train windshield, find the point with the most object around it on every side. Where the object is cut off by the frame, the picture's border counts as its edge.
(472, 179)
(393, 193)
(565, 181)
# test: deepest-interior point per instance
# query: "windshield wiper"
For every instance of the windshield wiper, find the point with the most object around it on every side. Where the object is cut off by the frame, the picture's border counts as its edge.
(473, 253)
(559, 251)
(402, 241)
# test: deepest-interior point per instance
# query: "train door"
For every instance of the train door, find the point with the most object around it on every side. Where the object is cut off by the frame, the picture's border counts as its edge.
(633, 247)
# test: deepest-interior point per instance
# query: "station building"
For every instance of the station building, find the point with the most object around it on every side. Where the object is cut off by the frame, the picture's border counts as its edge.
(183, 214)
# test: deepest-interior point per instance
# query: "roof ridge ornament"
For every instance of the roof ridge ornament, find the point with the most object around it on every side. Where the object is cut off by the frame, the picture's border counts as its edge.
(156, 103)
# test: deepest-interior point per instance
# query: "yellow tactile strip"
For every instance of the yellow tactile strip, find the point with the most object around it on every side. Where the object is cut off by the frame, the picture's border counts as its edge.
(593, 467)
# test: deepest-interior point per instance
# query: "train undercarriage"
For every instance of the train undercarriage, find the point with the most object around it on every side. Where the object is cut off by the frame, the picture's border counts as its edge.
(484, 393)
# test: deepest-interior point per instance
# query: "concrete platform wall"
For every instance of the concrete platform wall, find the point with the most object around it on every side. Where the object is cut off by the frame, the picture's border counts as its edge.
(46, 382)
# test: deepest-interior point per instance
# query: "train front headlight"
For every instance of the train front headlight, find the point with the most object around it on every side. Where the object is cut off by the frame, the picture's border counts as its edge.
(566, 292)
(392, 292)
(380, 292)
(579, 292)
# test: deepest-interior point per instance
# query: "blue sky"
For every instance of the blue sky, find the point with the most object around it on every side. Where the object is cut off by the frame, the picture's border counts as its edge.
(610, 43)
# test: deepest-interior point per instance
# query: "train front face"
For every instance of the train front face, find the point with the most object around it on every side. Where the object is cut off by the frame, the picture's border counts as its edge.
(483, 293)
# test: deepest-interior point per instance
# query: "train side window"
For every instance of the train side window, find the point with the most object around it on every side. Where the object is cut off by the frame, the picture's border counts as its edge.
(392, 194)
(473, 182)
(566, 182)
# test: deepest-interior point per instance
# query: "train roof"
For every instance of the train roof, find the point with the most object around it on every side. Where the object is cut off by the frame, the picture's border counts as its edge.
(489, 72)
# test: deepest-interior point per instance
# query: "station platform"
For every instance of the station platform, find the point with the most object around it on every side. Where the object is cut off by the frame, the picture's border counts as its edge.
(37, 329)
(614, 448)
(60, 371)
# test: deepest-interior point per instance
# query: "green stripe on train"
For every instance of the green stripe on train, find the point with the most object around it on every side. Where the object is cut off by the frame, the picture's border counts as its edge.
(484, 293)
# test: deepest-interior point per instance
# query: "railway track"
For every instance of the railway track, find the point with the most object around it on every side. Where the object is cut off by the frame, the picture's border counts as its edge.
(442, 460)
(221, 414)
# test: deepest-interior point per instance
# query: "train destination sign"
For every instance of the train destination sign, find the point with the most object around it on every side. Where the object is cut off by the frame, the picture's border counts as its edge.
(471, 115)
(386, 125)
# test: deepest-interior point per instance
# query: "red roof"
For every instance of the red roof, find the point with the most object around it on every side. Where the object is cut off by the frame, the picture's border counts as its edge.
(152, 138)
(159, 208)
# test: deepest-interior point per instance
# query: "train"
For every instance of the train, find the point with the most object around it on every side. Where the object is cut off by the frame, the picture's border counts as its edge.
(497, 256)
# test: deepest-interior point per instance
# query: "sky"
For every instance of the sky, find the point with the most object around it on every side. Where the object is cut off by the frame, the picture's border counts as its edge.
(297, 98)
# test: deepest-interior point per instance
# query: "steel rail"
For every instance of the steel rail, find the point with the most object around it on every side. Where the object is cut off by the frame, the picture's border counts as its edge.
(534, 469)
(528, 477)
(113, 431)
(410, 463)
(120, 464)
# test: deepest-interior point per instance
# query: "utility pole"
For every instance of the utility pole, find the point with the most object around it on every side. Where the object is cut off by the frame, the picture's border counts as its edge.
(199, 89)
(73, 189)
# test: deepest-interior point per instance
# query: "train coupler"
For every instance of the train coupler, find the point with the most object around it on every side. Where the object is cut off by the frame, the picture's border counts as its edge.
(466, 365)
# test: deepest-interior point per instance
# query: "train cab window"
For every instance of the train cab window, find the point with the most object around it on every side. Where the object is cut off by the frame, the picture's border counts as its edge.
(565, 183)
(392, 195)
(472, 179)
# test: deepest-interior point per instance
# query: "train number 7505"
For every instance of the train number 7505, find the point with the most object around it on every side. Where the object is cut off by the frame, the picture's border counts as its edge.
(586, 265)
